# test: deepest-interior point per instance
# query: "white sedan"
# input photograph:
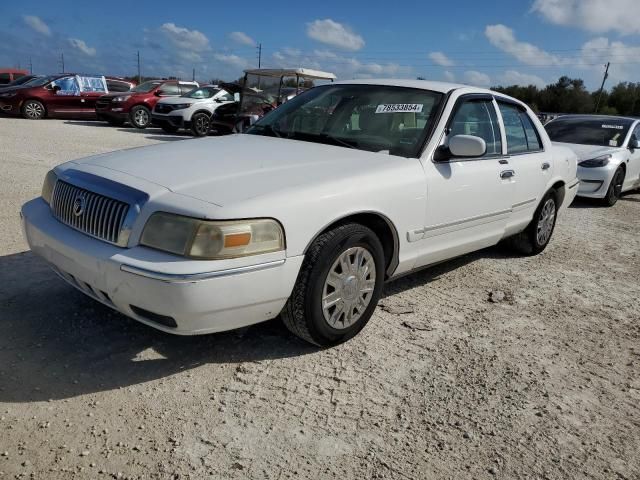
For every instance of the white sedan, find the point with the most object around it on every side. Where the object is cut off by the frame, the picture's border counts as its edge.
(608, 150)
(307, 214)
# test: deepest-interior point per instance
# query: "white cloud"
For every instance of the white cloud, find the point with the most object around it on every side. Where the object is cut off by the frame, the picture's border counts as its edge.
(184, 38)
(335, 34)
(503, 38)
(449, 76)
(513, 77)
(242, 38)
(441, 59)
(599, 16)
(233, 60)
(82, 46)
(598, 51)
(37, 24)
(476, 78)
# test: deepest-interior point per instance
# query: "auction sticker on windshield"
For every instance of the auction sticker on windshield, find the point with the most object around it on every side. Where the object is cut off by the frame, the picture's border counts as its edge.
(400, 108)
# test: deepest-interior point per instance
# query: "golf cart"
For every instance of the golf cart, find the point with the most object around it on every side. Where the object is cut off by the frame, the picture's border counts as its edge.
(260, 91)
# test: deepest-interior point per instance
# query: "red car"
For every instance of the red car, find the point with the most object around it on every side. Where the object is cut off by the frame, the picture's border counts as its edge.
(8, 75)
(65, 95)
(135, 106)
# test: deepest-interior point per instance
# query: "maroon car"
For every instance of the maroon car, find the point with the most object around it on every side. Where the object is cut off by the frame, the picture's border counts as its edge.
(135, 106)
(65, 95)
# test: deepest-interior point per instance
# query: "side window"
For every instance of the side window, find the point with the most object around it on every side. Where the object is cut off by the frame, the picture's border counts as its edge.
(522, 135)
(116, 86)
(92, 84)
(170, 89)
(5, 78)
(226, 97)
(186, 88)
(68, 86)
(478, 118)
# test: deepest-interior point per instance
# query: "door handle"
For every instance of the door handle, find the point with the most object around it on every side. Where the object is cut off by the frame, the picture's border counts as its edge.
(546, 166)
(503, 161)
(507, 174)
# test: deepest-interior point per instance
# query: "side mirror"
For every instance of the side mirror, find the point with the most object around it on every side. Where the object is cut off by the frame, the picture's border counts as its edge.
(467, 146)
(158, 93)
(634, 144)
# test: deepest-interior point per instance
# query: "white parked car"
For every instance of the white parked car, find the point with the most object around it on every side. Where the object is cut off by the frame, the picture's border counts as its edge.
(608, 150)
(308, 214)
(191, 111)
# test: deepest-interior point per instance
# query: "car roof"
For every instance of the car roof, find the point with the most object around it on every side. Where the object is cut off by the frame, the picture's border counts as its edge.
(292, 72)
(594, 116)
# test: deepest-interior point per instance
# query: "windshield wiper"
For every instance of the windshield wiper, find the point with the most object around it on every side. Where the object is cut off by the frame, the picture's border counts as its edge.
(337, 140)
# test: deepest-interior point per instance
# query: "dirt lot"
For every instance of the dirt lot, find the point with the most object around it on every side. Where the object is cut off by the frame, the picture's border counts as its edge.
(443, 383)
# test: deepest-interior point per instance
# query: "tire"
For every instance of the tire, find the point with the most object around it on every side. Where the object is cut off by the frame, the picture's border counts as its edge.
(303, 313)
(169, 128)
(200, 124)
(535, 238)
(33, 110)
(140, 117)
(615, 188)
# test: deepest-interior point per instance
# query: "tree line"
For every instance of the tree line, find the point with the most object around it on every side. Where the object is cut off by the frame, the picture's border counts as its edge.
(569, 95)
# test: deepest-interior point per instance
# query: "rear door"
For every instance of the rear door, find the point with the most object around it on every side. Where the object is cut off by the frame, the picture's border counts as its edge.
(468, 200)
(532, 166)
(91, 89)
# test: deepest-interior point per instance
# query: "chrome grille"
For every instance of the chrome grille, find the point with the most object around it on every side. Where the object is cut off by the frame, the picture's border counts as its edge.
(91, 213)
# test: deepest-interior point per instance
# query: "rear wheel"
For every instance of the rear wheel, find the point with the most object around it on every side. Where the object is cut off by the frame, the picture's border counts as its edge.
(169, 128)
(615, 188)
(140, 116)
(33, 110)
(535, 238)
(338, 287)
(200, 123)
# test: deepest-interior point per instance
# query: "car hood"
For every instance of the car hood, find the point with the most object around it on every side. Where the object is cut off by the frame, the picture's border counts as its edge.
(586, 152)
(225, 170)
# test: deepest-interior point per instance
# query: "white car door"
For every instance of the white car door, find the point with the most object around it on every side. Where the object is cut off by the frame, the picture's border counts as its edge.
(531, 164)
(632, 179)
(468, 199)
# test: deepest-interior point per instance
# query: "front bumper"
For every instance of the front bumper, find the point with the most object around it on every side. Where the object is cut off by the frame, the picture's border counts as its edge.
(171, 120)
(594, 182)
(211, 300)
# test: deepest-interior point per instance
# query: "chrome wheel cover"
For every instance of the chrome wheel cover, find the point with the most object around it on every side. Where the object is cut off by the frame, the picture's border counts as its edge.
(348, 288)
(141, 117)
(546, 221)
(33, 110)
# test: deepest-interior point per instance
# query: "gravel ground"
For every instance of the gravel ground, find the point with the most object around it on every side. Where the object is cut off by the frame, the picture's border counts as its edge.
(488, 366)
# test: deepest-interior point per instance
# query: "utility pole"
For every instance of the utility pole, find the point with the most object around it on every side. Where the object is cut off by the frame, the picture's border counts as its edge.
(30, 66)
(604, 79)
(139, 75)
(193, 77)
(259, 47)
(62, 61)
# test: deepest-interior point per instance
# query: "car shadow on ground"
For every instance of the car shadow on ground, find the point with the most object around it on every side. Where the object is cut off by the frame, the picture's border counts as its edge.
(150, 133)
(582, 202)
(57, 343)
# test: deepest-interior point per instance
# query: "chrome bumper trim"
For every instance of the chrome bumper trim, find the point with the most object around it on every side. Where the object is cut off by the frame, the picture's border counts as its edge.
(196, 277)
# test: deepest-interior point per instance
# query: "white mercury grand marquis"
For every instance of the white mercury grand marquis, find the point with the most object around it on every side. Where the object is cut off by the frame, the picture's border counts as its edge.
(307, 214)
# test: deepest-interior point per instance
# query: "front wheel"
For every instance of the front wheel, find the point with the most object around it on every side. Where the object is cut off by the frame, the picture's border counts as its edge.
(615, 188)
(200, 124)
(338, 287)
(140, 117)
(33, 110)
(535, 238)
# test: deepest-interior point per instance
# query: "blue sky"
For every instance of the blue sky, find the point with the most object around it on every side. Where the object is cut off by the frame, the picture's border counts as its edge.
(482, 43)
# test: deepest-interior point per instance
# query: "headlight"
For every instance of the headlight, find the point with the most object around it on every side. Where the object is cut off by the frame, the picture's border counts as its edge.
(212, 240)
(50, 180)
(180, 106)
(601, 161)
(8, 95)
(121, 99)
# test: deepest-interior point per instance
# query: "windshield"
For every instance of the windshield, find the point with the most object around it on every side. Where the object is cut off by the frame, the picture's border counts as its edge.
(374, 118)
(604, 132)
(145, 87)
(40, 81)
(202, 92)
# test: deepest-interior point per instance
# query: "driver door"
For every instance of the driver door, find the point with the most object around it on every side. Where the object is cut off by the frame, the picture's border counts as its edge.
(633, 167)
(65, 96)
(468, 199)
